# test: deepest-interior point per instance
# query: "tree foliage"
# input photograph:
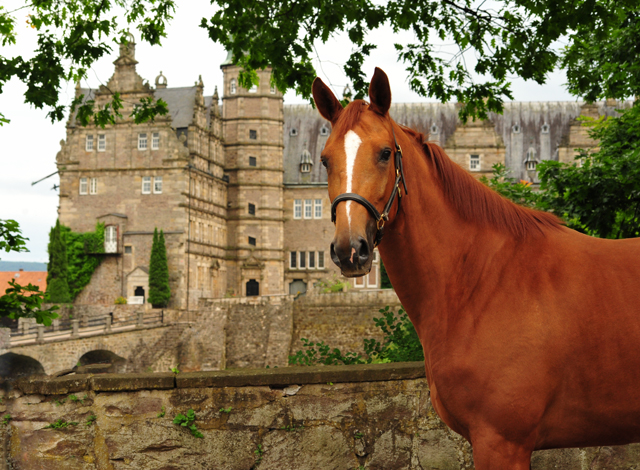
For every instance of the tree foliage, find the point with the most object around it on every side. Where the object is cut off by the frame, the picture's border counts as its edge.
(507, 38)
(492, 42)
(71, 36)
(159, 290)
(57, 269)
(603, 59)
(21, 301)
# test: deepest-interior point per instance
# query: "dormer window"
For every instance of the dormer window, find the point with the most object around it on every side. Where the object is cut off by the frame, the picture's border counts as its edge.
(516, 129)
(306, 162)
(434, 129)
(531, 161)
(324, 131)
(233, 86)
(545, 128)
(293, 132)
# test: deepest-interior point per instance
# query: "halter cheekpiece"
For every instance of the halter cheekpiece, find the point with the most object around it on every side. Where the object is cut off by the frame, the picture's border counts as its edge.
(381, 219)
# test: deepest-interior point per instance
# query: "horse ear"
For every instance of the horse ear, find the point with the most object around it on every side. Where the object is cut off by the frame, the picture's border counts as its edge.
(380, 92)
(328, 105)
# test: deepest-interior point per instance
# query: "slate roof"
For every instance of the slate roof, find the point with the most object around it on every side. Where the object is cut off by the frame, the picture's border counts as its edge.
(181, 102)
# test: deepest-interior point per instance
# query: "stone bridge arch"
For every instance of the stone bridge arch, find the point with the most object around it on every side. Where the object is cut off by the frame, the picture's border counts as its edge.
(14, 365)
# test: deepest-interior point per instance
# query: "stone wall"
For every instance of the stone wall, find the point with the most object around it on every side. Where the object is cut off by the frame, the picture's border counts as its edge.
(373, 417)
(340, 320)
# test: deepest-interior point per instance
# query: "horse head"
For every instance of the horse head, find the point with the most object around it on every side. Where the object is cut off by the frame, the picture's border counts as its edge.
(361, 157)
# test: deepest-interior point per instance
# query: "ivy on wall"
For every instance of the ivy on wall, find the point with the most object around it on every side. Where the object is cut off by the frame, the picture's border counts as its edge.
(81, 259)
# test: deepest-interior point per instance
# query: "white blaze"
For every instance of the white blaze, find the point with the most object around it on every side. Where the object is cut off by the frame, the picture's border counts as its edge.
(352, 142)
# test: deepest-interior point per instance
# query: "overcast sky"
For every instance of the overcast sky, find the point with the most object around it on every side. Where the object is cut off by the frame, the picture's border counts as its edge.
(29, 144)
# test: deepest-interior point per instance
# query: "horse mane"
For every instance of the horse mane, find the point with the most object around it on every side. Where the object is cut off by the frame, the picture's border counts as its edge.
(349, 116)
(475, 202)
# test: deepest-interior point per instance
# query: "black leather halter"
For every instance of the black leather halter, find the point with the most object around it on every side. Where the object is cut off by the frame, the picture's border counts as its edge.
(380, 218)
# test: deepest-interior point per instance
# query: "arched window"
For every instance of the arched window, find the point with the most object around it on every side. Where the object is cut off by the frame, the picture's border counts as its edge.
(545, 128)
(434, 129)
(324, 131)
(516, 129)
(233, 86)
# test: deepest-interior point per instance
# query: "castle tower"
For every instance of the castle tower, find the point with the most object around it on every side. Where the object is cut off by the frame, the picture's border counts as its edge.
(252, 128)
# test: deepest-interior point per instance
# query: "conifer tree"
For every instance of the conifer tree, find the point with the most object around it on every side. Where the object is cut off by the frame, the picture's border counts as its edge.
(57, 270)
(159, 291)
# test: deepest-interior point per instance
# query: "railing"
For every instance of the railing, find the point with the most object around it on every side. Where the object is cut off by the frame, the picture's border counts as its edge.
(91, 326)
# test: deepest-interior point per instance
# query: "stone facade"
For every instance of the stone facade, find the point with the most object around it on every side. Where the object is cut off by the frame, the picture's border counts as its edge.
(238, 188)
(304, 418)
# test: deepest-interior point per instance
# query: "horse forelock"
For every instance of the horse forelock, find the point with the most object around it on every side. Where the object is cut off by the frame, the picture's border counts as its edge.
(349, 117)
(475, 202)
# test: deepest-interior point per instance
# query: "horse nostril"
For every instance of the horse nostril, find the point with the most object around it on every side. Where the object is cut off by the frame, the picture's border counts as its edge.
(334, 256)
(363, 252)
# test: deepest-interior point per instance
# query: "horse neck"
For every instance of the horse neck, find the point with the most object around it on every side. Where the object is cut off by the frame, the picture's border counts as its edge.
(427, 244)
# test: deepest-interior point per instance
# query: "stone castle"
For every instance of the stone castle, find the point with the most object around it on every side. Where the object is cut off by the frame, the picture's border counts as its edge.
(237, 187)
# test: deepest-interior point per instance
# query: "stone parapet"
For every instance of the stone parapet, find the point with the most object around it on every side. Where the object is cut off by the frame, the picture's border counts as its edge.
(338, 417)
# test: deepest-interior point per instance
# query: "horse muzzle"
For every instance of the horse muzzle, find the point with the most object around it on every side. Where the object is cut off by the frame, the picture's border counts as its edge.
(352, 255)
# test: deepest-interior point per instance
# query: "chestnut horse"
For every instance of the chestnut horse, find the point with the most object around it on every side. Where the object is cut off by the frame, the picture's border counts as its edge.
(530, 330)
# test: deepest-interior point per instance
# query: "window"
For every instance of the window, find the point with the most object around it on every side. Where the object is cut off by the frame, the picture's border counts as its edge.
(324, 130)
(312, 260)
(253, 134)
(253, 161)
(253, 89)
(297, 209)
(83, 185)
(292, 260)
(157, 185)
(307, 208)
(88, 144)
(252, 209)
(516, 129)
(102, 142)
(142, 141)
(272, 90)
(434, 129)
(110, 239)
(305, 167)
(293, 132)
(155, 141)
(372, 277)
(252, 241)
(317, 209)
(93, 186)
(474, 162)
(320, 259)
(545, 128)
(233, 86)
(146, 185)
(303, 260)
(128, 249)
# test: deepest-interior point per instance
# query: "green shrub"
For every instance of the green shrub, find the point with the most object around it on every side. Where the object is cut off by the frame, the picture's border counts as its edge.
(121, 301)
(400, 343)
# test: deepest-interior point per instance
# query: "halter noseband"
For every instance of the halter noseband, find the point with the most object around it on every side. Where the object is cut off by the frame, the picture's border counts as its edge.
(379, 218)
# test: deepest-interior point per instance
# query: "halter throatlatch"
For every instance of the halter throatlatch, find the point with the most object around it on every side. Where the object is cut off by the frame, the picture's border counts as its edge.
(380, 219)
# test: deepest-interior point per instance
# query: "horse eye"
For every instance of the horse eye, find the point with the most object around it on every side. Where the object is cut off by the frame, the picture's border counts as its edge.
(385, 155)
(324, 161)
